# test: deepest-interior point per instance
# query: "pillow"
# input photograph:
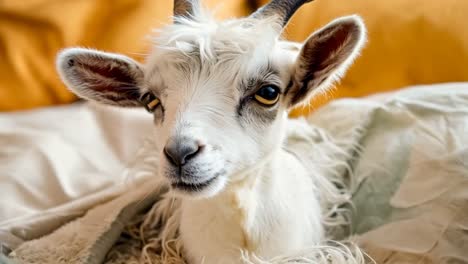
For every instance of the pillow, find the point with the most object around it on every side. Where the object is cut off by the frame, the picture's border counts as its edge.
(31, 33)
(409, 42)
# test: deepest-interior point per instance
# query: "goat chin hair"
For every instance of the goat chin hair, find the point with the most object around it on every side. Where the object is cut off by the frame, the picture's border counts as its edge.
(154, 235)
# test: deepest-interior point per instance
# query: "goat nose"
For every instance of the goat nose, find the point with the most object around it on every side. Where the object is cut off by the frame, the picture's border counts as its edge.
(178, 153)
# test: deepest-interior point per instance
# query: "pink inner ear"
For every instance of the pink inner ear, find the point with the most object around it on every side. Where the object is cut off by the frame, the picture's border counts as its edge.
(106, 77)
(330, 47)
(102, 77)
(322, 54)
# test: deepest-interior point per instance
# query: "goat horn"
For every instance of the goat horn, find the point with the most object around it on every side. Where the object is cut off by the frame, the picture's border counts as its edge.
(282, 8)
(184, 7)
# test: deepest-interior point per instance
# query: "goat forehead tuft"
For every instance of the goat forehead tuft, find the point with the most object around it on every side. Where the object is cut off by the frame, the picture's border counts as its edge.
(213, 41)
(202, 52)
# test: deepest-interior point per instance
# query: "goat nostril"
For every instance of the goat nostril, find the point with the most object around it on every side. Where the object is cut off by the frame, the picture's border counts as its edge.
(170, 157)
(179, 154)
(196, 150)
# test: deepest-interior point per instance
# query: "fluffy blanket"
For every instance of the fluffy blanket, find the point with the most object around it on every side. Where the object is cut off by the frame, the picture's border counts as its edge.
(395, 190)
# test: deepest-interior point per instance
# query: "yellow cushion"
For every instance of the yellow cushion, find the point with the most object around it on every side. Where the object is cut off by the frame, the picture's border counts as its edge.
(32, 31)
(410, 42)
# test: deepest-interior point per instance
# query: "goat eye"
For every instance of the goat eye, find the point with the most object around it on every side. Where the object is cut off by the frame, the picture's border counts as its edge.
(149, 101)
(267, 95)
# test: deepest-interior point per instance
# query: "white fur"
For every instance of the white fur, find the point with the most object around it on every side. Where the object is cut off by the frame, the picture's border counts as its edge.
(261, 215)
(262, 200)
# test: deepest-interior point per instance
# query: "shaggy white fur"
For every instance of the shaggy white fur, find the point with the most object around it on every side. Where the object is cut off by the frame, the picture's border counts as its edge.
(153, 237)
(239, 189)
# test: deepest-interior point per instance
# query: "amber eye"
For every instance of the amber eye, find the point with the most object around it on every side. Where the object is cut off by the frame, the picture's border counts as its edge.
(267, 95)
(149, 101)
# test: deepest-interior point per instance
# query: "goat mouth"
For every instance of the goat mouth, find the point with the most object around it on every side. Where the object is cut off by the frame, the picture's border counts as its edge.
(192, 187)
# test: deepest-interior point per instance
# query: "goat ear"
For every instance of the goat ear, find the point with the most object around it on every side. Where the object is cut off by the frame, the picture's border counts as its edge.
(101, 77)
(325, 56)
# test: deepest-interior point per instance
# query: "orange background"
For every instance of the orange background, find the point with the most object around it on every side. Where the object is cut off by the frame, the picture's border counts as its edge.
(410, 41)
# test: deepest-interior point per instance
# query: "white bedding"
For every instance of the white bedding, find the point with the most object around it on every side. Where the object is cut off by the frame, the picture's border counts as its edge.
(51, 156)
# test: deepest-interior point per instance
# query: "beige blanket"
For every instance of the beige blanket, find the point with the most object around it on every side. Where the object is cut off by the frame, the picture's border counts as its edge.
(409, 177)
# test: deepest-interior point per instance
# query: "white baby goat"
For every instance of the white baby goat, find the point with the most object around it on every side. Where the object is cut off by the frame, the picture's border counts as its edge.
(220, 94)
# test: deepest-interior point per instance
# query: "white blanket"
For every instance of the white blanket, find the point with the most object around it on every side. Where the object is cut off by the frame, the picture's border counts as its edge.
(52, 156)
(65, 160)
